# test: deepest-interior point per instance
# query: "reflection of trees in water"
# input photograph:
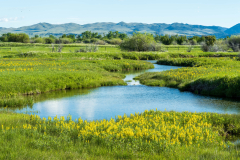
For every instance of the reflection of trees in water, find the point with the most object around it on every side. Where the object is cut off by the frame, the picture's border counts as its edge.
(22, 102)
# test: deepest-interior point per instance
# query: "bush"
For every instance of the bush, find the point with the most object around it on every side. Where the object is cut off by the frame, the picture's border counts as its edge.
(49, 40)
(87, 41)
(205, 47)
(193, 42)
(208, 44)
(159, 47)
(219, 46)
(222, 45)
(100, 42)
(190, 48)
(139, 42)
(15, 37)
(94, 40)
(38, 40)
(210, 40)
(174, 43)
(185, 43)
(181, 39)
(66, 40)
(115, 41)
(234, 43)
(167, 40)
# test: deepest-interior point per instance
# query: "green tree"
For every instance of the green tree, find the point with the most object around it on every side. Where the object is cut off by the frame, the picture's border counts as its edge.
(210, 40)
(63, 36)
(49, 40)
(167, 39)
(139, 42)
(181, 39)
(123, 36)
(110, 35)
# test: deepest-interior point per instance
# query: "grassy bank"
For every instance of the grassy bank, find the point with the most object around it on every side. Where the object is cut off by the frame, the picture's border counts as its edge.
(149, 135)
(206, 76)
(112, 54)
(26, 76)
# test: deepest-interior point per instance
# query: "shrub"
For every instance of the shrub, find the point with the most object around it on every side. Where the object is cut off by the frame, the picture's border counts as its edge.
(87, 40)
(210, 40)
(66, 40)
(190, 48)
(234, 43)
(208, 44)
(167, 40)
(205, 47)
(185, 43)
(100, 42)
(139, 42)
(15, 37)
(159, 47)
(220, 46)
(174, 43)
(92, 48)
(49, 40)
(94, 40)
(193, 42)
(38, 40)
(115, 41)
(181, 39)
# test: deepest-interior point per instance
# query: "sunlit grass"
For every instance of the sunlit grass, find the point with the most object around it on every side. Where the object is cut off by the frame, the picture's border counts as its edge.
(207, 76)
(26, 76)
(152, 134)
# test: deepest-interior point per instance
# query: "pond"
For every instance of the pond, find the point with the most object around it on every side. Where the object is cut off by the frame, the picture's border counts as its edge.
(108, 102)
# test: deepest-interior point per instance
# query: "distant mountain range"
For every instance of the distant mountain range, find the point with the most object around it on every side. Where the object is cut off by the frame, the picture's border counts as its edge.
(45, 29)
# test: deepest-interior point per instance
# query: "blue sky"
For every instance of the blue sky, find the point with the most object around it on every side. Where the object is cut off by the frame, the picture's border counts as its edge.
(16, 13)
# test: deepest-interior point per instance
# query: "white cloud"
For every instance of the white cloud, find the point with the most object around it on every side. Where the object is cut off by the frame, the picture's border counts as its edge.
(10, 19)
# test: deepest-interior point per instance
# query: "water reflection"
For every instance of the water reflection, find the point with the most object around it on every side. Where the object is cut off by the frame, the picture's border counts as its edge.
(107, 102)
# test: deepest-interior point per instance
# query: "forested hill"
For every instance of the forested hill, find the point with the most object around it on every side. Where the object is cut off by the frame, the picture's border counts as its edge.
(45, 29)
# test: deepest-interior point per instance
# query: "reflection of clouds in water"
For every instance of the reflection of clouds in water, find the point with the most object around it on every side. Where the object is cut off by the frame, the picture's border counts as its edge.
(52, 107)
(85, 108)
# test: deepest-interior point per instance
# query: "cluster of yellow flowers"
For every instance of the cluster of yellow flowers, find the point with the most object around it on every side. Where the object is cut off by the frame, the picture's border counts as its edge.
(30, 65)
(16, 69)
(162, 128)
(17, 63)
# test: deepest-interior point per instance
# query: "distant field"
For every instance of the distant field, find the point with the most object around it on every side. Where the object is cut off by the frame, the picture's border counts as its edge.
(26, 47)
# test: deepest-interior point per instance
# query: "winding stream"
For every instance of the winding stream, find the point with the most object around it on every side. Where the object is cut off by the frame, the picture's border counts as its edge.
(108, 102)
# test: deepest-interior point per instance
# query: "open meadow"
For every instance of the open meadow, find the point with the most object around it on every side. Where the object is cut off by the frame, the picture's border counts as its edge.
(31, 69)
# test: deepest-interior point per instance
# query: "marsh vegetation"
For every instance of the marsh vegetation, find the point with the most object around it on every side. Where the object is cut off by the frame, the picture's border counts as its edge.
(28, 68)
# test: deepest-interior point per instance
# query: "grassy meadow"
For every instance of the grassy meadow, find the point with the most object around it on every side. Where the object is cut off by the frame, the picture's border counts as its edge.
(149, 135)
(205, 76)
(28, 76)
(33, 69)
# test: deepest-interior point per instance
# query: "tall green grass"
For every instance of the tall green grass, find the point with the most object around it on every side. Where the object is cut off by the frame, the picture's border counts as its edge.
(112, 54)
(207, 76)
(34, 76)
(21, 138)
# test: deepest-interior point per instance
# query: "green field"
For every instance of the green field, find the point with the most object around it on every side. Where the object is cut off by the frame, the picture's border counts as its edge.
(206, 76)
(149, 135)
(32, 69)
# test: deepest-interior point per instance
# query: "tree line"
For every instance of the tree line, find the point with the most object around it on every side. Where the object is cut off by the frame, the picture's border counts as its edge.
(94, 37)
(135, 42)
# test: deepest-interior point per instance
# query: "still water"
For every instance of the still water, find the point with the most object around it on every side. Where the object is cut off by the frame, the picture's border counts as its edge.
(108, 102)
